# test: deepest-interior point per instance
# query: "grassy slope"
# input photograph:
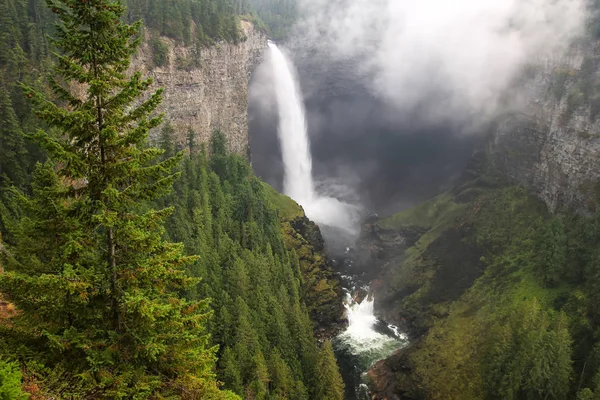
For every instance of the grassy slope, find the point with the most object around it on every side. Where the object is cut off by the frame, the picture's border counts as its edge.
(499, 224)
(288, 208)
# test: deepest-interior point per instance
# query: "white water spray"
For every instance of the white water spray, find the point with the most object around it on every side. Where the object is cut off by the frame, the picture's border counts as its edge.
(361, 335)
(295, 149)
(293, 135)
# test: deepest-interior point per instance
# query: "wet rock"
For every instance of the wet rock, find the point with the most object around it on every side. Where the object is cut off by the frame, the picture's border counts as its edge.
(389, 379)
(552, 144)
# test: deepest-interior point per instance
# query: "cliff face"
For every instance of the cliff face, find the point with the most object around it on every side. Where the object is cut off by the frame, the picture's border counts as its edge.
(210, 93)
(553, 147)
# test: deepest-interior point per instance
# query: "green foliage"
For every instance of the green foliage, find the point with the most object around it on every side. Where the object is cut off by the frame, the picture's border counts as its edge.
(525, 329)
(10, 382)
(12, 146)
(200, 22)
(160, 52)
(288, 209)
(424, 215)
(224, 214)
(277, 15)
(97, 285)
(550, 248)
(23, 54)
(330, 386)
(529, 355)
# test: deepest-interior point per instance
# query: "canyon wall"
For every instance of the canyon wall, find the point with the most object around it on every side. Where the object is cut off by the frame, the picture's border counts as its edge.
(206, 90)
(552, 145)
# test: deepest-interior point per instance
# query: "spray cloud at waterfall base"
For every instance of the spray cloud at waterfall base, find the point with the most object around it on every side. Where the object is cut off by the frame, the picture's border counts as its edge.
(295, 149)
(366, 339)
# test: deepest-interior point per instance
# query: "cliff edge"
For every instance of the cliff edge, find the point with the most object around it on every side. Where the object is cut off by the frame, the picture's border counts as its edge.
(206, 89)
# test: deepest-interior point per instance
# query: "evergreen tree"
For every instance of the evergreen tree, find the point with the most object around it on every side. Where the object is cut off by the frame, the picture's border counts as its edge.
(97, 284)
(10, 382)
(529, 356)
(330, 384)
(261, 322)
(12, 146)
(551, 251)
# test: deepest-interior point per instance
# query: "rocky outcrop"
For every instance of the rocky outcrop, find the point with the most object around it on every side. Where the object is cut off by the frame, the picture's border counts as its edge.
(206, 90)
(390, 379)
(321, 287)
(553, 146)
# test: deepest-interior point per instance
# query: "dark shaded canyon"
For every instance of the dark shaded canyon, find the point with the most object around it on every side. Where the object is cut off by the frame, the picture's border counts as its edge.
(363, 150)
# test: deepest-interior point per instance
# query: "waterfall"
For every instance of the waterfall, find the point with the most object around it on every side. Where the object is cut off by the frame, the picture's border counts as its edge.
(295, 146)
(367, 339)
(364, 337)
(295, 150)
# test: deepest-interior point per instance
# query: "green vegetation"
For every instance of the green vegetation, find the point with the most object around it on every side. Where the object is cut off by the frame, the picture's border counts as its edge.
(200, 22)
(260, 287)
(288, 209)
(10, 382)
(507, 294)
(160, 52)
(26, 57)
(278, 15)
(101, 301)
(96, 284)
(425, 215)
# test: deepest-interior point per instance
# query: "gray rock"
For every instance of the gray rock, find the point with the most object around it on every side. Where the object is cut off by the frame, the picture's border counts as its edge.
(553, 146)
(212, 96)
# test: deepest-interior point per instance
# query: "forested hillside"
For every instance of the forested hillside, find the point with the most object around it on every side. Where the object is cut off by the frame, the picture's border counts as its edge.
(278, 15)
(502, 293)
(259, 286)
(114, 284)
(26, 56)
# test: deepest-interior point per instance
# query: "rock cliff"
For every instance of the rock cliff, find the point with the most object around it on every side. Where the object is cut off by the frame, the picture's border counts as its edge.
(206, 90)
(553, 145)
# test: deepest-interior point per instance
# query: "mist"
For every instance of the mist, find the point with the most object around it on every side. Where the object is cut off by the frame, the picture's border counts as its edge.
(397, 92)
(446, 58)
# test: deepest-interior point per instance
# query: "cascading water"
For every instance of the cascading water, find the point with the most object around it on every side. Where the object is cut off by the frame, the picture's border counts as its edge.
(295, 150)
(362, 336)
(367, 339)
(295, 147)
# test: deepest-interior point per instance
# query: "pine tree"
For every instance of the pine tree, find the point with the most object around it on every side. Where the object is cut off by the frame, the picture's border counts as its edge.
(330, 385)
(10, 382)
(12, 146)
(99, 284)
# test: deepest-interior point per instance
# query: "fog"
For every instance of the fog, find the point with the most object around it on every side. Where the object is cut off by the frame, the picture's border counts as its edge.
(463, 53)
(397, 92)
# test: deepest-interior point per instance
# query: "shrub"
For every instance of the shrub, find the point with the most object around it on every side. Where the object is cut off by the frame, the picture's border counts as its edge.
(10, 382)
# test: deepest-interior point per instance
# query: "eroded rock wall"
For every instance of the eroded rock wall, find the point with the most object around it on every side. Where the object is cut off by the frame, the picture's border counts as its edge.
(553, 145)
(213, 93)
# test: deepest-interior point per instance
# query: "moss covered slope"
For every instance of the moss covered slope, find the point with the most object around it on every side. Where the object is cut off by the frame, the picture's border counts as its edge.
(321, 288)
(499, 295)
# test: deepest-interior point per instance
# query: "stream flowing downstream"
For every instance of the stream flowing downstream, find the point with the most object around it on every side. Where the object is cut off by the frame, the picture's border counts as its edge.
(367, 339)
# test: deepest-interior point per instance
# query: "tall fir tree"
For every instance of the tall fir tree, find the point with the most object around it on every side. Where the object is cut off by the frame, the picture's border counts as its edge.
(330, 386)
(12, 145)
(97, 285)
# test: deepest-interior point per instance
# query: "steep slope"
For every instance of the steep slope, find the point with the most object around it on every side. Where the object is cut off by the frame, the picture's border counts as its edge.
(205, 90)
(271, 287)
(552, 142)
(499, 296)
